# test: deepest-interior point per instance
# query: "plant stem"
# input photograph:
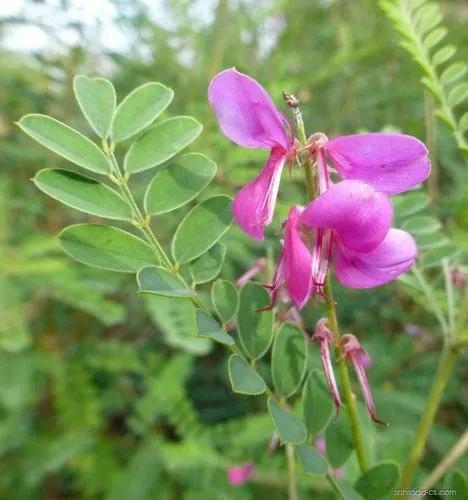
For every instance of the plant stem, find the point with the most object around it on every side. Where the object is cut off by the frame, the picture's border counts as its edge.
(431, 142)
(292, 484)
(446, 363)
(428, 292)
(452, 456)
(335, 486)
(349, 397)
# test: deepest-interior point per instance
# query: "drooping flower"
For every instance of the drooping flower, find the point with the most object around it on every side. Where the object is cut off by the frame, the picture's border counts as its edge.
(247, 116)
(238, 475)
(360, 359)
(365, 251)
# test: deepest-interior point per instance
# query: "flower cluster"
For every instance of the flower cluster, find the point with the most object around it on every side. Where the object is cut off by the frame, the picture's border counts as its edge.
(349, 222)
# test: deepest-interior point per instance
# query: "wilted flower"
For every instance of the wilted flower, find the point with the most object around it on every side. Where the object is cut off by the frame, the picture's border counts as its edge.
(238, 475)
(354, 352)
(324, 336)
(247, 116)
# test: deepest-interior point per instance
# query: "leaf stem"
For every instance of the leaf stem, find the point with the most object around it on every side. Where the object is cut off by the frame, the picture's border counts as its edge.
(447, 361)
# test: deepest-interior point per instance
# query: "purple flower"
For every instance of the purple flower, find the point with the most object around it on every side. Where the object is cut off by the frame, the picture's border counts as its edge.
(238, 475)
(355, 221)
(354, 352)
(247, 116)
(390, 163)
(294, 269)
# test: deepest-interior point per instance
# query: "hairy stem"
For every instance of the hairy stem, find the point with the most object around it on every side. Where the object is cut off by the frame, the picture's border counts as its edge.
(446, 363)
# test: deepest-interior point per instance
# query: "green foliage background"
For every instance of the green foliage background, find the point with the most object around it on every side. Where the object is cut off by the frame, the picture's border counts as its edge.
(106, 395)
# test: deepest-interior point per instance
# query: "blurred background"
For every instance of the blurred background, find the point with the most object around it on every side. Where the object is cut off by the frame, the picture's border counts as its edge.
(104, 394)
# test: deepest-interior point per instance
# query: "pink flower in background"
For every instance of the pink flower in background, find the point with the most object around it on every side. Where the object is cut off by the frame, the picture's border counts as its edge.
(360, 360)
(247, 116)
(238, 475)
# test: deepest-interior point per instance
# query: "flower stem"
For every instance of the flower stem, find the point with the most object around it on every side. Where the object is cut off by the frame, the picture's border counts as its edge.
(292, 483)
(349, 397)
(446, 363)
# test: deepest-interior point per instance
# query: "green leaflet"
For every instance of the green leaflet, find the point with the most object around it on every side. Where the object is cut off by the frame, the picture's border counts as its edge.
(180, 182)
(66, 142)
(107, 247)
(139, 109)
(97, 100)
(82, 193)
(201, 228)
(161, 142)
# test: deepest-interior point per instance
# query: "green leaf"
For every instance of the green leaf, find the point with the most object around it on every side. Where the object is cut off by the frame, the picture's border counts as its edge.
(421, 224)
(174, 319)
(433, 257)
(207, 326)
(66, 142)
(225, 299)
(317, 404)
(160, 281)
(290, 429)
(139, 109)
(161, 142)
(82, 193)
(201, 228)
(432, 240)
(456, 481)
(443, 55)
(255, 327)
(453, 72)
(463, 123)
(180, 182)
(409, 204)
(311, 460)
(288, 359)
(338, 439)
(106, 247)
(433, 38)
(433, 88)
(244, 379)
(209, 265)
(97, 100)
(458, 94)
(378, 481)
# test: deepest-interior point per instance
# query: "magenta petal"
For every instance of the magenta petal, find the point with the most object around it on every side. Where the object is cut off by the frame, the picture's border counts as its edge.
(245, 112)
(297, 261)
(394, 256)
(359, 215)
(254, 204)
(391, 163)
